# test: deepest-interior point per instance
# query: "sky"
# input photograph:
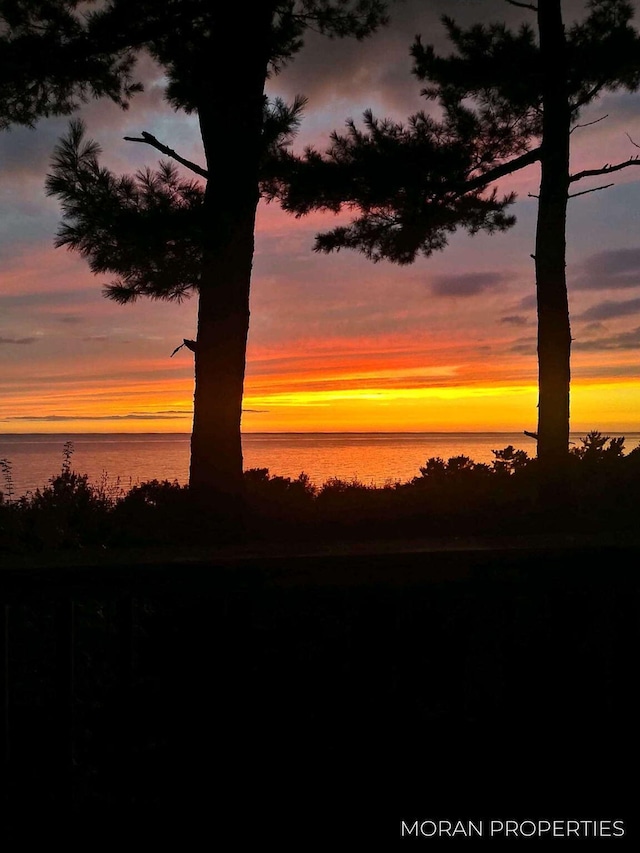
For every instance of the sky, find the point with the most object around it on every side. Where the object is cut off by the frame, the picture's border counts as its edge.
(336, 342)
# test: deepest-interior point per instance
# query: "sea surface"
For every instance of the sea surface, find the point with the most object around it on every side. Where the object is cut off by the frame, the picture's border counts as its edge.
(118, 462)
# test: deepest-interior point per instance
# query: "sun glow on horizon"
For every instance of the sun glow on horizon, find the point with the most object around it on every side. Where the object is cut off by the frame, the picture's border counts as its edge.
(611, 405)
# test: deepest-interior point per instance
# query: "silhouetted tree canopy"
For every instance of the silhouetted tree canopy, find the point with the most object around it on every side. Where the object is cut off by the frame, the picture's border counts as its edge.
(412, 184)
(162, 235)
(408, 181)
(147, 228)
(51, 62)
(506, 99)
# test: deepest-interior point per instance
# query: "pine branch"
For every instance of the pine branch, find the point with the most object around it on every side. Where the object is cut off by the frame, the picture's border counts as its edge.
(606, 170)
(588, 96)
(503, 169)
(589, 123)
(151, 140)
(522, 5)
(593, 190)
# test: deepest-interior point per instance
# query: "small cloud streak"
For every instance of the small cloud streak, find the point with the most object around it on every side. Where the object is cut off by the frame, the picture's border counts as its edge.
(524, 346)
(622, 341)
(515, 320)
(466, 284)
(611, 309)
(18, 340)
(132, 416)
(610, 270)
(528, 302)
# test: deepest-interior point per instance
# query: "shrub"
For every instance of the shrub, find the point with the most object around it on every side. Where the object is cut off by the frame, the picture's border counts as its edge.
(68, 511)
(594, 448)
(509, 460)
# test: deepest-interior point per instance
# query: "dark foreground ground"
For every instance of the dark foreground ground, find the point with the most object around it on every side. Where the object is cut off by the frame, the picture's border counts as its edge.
(324, 697)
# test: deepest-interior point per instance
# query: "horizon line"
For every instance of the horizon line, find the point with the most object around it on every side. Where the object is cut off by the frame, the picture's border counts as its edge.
(331, 432)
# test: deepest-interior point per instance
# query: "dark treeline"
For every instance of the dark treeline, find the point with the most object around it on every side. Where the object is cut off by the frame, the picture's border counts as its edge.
(454, 497)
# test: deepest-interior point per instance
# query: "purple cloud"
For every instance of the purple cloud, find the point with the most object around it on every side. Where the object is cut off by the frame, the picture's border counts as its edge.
(515, 320)
(466, 284)
(611, 309)
(625, 340)
(17, 340)
(609, 270)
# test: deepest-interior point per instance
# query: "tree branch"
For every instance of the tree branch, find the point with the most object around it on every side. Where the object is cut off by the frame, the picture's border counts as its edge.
(631, 141)
(507, 168)
(606, 170)
(589, 96)
(589, 123)
(594, 190)
(522, 5)
(151, 140)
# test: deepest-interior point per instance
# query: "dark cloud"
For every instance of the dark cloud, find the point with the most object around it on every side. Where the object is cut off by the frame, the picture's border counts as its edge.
(611, 309)
(377, 71)
(610, 270)
(70, 319)
(466, 284)
(622, 341)
(515, 320)
(17, 340)
(614, 262)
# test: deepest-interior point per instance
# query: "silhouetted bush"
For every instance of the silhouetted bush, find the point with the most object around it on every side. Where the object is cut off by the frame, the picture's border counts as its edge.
(455, 497)
(156, 512)
(68, 512)
(279, 501)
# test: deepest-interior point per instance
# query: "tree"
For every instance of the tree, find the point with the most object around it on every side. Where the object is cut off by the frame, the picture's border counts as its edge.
(49, 64)
(190, 40)
(508, 100)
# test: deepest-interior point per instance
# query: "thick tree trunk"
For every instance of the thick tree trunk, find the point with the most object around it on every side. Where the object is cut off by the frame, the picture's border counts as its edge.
(554, 333)
(230, 114)
(223, 324)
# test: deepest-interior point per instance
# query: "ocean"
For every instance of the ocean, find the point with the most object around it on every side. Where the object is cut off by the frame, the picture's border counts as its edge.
(120, 461)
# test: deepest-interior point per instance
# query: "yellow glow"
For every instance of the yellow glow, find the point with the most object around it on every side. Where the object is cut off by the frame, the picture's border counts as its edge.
(409, 409)
(611, 406)
(165, 406)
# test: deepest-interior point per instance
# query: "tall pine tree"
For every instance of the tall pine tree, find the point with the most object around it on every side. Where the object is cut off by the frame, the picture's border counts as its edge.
(509, 99)
(224, 88)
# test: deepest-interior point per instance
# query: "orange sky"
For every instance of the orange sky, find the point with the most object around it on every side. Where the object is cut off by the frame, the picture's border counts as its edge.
(336, 343)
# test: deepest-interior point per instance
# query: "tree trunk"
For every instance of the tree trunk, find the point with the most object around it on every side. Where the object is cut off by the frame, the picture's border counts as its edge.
(223, 325)
(554, 333)
(230, 115)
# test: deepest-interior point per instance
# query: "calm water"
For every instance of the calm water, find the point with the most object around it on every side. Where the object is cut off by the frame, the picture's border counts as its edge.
(373, 458)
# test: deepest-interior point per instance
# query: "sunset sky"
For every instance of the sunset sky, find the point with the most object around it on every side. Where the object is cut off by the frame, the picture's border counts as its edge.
(336, 342)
